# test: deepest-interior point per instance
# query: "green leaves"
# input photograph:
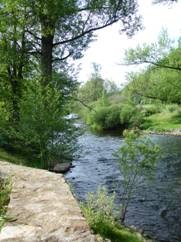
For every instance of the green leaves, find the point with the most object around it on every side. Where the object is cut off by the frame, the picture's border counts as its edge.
(138, 154)
(43, 124)
(150, 53)
(137, 159)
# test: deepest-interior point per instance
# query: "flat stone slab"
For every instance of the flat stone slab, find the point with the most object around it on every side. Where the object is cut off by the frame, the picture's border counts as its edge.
(42, 208)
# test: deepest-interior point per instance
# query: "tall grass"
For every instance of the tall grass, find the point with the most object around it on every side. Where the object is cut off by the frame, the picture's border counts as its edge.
(5, 190)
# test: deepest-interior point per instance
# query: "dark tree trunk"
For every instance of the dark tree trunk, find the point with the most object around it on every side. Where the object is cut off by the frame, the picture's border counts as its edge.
(46, 59)
(48, 29)
(15, 100)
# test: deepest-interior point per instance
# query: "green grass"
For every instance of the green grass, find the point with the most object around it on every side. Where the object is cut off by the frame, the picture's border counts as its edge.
(18, 159)
(99, 211)
(164, 121)
(5, 190)
(4, 155)
(115, 232)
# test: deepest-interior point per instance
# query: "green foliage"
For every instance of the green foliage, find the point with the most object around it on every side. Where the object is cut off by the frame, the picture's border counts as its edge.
(33, 52)
(114, 116)
(150, 53)
(5, 190)
(99, 206)
(99, 212)
(168, 120)
(17, 159)
(130, 116)
(137, 159)
(105, 117)
(150, 109)
(43, 124)
(96, 89)
(161, 80)
(92, 90)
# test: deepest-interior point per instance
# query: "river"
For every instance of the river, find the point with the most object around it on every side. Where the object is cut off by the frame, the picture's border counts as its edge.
(156, 206)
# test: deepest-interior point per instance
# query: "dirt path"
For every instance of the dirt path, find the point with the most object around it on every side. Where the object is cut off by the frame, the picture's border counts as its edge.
(42, 208)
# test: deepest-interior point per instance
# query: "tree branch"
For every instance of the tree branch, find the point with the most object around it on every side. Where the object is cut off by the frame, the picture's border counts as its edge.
(84, 33)
(178, 68)
(153, 97)
(84, 104)
(34, 35)
(63, 58)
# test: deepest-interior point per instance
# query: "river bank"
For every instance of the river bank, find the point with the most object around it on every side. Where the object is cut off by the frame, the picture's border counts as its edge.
(42, 208)
(176, 132)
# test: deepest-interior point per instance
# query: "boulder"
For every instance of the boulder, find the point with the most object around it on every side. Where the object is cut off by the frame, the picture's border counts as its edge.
(61, 167)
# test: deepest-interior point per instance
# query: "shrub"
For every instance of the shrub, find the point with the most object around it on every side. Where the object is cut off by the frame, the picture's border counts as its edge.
(99, 212)
(105, 117)
(130, 116)
(98, 117)
(137, 159)
(99, 206)
(43, 126)
(172, 108)
(112, 118)
(150, 109)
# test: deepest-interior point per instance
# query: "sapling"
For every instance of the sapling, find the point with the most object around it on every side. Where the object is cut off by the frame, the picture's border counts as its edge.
(137, 159)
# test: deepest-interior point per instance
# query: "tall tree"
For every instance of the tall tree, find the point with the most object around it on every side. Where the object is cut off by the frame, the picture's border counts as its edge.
(64, 28)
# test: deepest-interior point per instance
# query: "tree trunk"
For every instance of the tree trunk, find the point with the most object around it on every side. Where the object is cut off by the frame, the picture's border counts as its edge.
(46, 59)
(48, 30)
(16, 96)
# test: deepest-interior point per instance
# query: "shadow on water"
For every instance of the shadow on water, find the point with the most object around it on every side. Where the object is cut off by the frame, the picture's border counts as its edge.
(156, 206)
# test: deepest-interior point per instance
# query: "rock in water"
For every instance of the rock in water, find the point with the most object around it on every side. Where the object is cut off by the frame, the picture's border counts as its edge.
(62, 167)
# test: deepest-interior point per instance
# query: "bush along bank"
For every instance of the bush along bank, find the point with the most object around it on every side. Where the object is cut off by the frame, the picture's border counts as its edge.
(111, 117)
(99, 211)
(150, 117)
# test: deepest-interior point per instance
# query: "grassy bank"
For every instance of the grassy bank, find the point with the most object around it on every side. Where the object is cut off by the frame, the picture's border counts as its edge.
(116, 232)
(19, 159)
(165, 121)
(99, 211)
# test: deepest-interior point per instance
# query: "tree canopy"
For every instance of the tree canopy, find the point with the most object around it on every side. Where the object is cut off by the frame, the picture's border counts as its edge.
(161, 78)
(156, 53)
(37, 40)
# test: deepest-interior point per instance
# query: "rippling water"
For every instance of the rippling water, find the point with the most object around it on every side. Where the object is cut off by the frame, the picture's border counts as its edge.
(156, 206)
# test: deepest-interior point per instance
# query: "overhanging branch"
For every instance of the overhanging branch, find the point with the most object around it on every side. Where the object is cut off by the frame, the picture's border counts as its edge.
(84, 33)
(178, 68)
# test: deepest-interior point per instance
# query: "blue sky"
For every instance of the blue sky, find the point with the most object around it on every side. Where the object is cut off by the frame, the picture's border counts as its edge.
(109, 48)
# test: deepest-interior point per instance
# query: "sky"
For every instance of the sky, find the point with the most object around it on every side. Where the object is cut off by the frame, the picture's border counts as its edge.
(108, 49)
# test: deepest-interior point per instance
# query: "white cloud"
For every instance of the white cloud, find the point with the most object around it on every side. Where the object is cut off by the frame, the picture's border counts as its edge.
(109, 48)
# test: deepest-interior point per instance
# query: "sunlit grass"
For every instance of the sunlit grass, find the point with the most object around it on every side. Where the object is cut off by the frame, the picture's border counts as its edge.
(164, 121)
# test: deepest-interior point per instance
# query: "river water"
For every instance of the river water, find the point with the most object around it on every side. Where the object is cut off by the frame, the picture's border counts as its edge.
(156, 206)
